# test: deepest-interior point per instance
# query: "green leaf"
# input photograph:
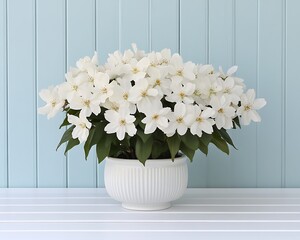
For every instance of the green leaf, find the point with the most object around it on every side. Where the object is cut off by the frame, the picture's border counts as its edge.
(87, 144)
(203, 148)
(206, 138)
(93, 138)
(236, 120)
(190, 140)
(142, 135)
(115, 150)
(158, 148)
(71, 143)
(174, 144)
(187, 151)
(143, 149)
(220, 143)
(64, 123)
(66, 136)
(103, 147)
(226, 137)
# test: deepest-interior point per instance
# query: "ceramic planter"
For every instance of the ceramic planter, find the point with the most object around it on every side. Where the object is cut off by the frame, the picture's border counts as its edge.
(149, 187)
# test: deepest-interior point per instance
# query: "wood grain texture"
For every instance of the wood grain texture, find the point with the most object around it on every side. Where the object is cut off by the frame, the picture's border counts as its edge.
(21, 93)
(41, 39)
(3, 92)
(80, 42)
(50, 163)
(207, 213)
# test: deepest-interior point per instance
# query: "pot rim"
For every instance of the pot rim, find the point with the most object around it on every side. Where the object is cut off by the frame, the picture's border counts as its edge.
(149, 162)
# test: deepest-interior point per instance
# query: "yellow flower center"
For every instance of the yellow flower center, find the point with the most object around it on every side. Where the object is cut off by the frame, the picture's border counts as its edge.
(135, 70)
(227, 90)
(91, 79)
(104, 90)
(247, 108)
(221, 110)
(122, 122)
(115, 107)
(75, 87)
(181, 95)
(179, 73)
(199, 119)
(179, 120)
(197, 92)
(164, 61)
(155, 117)
(125, 96)
(87, 103)
(157, 82)
(212, 91)
(53, 103)
(82, 125)
(144, 93)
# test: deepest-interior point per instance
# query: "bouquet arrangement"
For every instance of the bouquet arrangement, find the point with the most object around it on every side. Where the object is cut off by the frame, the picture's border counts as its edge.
(149, 105)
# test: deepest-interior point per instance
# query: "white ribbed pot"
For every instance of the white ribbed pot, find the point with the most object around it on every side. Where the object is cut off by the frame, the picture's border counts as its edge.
(149, 187)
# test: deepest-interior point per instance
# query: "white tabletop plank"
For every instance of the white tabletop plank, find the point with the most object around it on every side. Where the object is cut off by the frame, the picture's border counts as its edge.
(200, 213)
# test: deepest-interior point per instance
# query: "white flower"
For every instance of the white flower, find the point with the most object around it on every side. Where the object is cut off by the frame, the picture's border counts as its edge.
(54, 102)
(180, 70)
(112, 105)
(137, 69)
(164, 56)
(248, 107)
(156, 117)
(207, 87)
(229, 73)
(231, 90)
(74, 86)
(153, 59)
(203, 121)
(224, 113)
(120, 122)
(88, 103)
(138, 54)
(85, 63)
(121, 94)
(158, 79)
(102, 86)
(142, 94)
(204, 70)
(180, 120)
(82, 126)
(181, 93)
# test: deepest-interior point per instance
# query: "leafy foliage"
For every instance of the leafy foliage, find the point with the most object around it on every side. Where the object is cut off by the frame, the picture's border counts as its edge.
(146, 146)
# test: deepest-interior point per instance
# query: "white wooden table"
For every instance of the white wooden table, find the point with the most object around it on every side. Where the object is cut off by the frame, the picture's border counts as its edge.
(200, 214)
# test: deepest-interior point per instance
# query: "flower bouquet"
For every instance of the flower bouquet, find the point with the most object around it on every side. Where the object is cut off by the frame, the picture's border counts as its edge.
(149, 105)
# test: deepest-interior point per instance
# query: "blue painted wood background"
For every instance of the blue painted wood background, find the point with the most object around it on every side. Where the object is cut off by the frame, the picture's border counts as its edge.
(41, 39)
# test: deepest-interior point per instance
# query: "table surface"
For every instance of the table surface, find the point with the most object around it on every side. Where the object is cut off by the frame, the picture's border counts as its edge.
(201, 213)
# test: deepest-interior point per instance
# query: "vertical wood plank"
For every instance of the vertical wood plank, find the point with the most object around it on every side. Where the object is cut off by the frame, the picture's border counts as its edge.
(3, 98)
(269, 86)
(164, 31)
(21, 94)
(292, 91)
(193, 47)
(244, 159)
(220, 54)
(50, 55)
(134, 24)
(106, 11)
(107, 35)
(80, 43)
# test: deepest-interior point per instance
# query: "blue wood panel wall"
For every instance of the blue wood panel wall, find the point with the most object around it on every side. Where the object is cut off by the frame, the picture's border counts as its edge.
(41, 39)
